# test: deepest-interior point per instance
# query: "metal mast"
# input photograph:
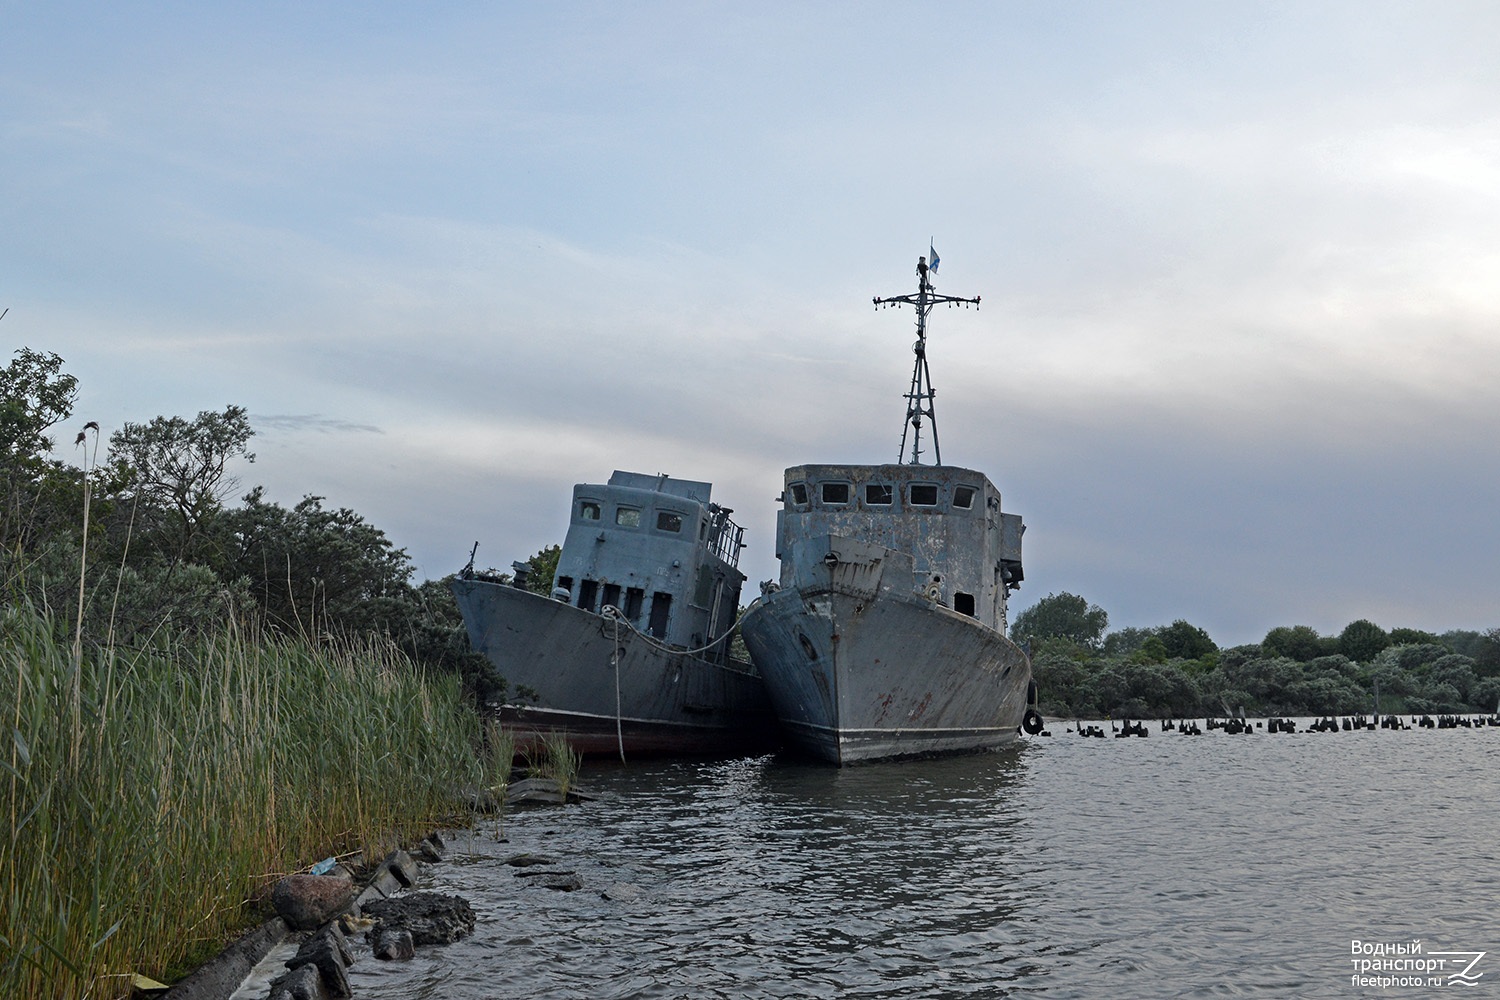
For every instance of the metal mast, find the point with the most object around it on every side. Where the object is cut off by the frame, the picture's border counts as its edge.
(919, 398)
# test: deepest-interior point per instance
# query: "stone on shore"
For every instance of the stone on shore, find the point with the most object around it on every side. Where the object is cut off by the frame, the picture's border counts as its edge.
(307, 902)
(391, 944)
(430, 917)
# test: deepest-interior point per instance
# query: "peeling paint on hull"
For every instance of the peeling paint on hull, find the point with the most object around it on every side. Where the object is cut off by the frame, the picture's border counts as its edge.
(865, 676)
(668, 703)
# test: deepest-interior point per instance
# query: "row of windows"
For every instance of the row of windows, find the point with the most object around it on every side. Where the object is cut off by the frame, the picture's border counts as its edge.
(630, 517)
(837, 494)
(591, 597)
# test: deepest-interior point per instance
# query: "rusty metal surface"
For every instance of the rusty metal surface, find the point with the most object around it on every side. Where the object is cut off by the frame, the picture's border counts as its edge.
(668, 702)
(885, 636)
(661, 553)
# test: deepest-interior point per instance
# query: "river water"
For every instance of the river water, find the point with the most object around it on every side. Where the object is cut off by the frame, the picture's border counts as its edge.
(1170, 866)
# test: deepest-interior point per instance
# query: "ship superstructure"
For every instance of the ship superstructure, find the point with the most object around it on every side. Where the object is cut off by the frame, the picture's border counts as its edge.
(885, 635)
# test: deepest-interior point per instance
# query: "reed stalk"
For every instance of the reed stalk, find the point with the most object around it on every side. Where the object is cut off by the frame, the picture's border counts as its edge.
(148, 833)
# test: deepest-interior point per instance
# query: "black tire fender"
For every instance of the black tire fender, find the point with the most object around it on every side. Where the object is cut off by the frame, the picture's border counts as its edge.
(1032, 722)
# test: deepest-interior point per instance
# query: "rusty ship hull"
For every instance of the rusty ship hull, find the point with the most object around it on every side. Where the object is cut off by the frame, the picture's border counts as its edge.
(862, 670)
(561, 658)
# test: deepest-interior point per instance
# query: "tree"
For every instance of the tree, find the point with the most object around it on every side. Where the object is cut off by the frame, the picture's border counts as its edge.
(180, 468)
(316, 569)
(1363, 640)
(543, 569)
(36, 496)
(34, 395)
(1416, 637)
(1124, 641)
(1297, 642)
(1186, 642)
(1062, 616)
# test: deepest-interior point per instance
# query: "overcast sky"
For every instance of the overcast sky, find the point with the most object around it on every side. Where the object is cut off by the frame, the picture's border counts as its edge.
(1236, 356)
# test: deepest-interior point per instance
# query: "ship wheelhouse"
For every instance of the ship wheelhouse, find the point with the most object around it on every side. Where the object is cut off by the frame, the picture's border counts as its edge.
(966, 553)
(659, 551)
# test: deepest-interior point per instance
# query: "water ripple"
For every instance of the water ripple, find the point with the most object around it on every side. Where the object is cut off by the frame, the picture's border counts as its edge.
(1199, 867)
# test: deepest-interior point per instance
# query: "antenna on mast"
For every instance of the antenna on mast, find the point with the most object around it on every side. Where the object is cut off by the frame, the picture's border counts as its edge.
(919, 398)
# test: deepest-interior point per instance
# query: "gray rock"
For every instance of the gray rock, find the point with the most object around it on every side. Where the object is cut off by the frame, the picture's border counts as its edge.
(309, 901)
(329, 954)
(562, 883)
(430, 917)
(403, 867)
(528, 859)
(302, 983)
(390, 944)
(535, 790)
(543, 872)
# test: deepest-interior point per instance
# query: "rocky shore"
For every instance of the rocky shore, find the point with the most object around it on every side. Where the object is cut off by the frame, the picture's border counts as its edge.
(304, 952)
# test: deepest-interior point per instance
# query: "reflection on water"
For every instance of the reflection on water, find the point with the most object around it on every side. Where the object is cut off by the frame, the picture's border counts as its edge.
(1170, 866)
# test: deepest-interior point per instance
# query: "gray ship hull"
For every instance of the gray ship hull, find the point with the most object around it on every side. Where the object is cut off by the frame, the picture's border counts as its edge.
(858, 671)
(665, 702)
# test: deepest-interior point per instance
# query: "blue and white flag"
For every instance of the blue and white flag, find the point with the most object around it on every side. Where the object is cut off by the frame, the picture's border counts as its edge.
(932, 258)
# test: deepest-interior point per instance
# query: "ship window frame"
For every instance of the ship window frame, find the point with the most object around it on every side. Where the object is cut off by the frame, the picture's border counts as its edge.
(627, 517)
(964, 491)
(590, 510)
(799, 493)
(664, 518)
(824, 487)
(890, 495)
(911, 495)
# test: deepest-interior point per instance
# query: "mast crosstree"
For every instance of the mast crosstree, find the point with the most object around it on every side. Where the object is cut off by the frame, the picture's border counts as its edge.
(919, 398)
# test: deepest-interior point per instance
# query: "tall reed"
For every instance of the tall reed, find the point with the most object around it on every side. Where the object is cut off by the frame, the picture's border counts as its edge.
(143, 817)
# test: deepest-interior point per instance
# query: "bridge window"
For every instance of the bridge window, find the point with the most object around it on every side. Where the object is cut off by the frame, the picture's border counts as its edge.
(799, 493)
(666, 520)
(588, 593)
(588, 510)
(634, 598)
(612, 595)
(964, 604)
(923, 494)
(879, 494)
(963, 496)
(836, 493)
(628, 517)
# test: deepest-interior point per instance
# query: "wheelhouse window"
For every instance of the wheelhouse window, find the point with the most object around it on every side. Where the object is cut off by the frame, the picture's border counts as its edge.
(835, 493)
(963, 497)
(628, 517)
(588, 510)
(799, 493)
(666, 520)
(923, 494)
(879, 494)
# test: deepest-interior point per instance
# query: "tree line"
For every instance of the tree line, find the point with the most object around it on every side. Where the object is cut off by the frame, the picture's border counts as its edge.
(142, 540)
(1083, 670)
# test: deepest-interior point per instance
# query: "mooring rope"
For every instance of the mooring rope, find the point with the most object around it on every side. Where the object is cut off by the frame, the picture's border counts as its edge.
(610, 611)
(619, 725)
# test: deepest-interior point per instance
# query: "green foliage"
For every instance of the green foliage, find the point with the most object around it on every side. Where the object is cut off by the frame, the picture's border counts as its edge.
(1298, 642)
(1183, 641)
(1413, 637)
(1061, 616)
(543, 569)
(312, 569)
(39, 497)
(178, 469)
(1363, 640)
(1123, 642)
(149, 795)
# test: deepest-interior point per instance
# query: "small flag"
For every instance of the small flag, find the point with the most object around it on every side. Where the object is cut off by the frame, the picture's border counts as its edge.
(932, 257)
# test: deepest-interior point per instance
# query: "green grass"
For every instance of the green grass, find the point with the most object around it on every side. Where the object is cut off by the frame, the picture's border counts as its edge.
(150, 798)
